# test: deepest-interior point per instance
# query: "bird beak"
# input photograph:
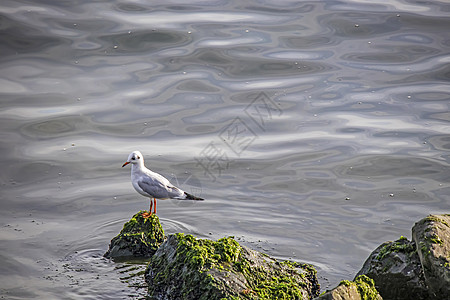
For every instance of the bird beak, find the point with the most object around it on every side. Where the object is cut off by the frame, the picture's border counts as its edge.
(126, 163)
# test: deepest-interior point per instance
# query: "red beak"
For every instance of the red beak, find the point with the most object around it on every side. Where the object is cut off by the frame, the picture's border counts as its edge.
(126, 163)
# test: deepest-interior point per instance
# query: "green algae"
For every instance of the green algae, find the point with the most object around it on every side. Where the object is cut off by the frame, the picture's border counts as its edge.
(435, 239)
(188, 269)
(430, 236)
(401, 245)
(146, 230)
(365, 286)
(138, 223)
(198, 263)
(346, 282)
(435, 219)
(224, 255)
(283, 284)
(140, 237)
(206, 254)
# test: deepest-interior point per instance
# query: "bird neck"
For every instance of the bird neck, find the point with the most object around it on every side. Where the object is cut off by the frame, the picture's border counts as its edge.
(138, 167)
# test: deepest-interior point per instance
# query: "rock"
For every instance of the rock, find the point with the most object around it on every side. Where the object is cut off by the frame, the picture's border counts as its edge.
(432, 237)
(361, 288)
(188, 268)
(139, 238)
(395, 267)
(418, 269)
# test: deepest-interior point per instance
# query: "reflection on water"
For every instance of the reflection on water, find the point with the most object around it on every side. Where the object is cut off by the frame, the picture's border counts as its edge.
(316, 131)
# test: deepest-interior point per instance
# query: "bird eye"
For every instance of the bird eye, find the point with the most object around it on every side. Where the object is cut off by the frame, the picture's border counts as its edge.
(138, 157)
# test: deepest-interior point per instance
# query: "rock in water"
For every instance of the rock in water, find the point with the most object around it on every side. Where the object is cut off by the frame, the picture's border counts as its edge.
(361, 288)
(139, 238)
(432, 237)
(395, 267)
(188, 268)
(418, 269)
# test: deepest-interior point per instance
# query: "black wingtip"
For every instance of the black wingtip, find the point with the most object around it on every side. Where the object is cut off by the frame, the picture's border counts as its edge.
(192, 197)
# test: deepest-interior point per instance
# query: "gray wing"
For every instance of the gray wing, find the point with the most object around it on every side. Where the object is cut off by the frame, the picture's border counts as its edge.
(157, 189)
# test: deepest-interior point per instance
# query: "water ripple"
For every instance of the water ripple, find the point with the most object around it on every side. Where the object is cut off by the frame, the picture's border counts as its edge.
(343, 106)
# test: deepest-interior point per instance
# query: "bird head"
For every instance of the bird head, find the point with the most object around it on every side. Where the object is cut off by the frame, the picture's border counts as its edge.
(135, 157)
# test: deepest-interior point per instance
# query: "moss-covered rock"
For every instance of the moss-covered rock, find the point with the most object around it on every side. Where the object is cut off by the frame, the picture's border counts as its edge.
(188, 268)
(395, 267)
(139, 238)
(418, 269)
(432, 237)
(361, 288)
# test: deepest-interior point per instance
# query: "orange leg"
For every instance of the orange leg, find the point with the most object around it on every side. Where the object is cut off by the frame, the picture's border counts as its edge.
(149, 213)
(154, 199)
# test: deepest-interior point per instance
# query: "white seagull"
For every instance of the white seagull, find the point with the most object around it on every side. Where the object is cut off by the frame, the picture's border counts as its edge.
(151, 184)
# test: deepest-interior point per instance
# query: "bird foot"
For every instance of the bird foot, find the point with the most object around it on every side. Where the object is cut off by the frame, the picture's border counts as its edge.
(146, 215)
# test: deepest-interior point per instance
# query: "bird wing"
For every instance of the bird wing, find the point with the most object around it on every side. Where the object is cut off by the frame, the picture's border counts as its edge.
(154, 188)
(176, 193)
(157, 186)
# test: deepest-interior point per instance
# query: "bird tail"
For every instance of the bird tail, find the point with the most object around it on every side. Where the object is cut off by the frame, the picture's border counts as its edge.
(192, 197)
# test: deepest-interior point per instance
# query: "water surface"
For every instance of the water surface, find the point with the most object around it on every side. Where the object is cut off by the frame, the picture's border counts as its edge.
(316, 131)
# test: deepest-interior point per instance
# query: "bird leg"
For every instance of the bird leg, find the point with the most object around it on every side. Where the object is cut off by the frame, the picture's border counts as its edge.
(154, 199)
(149, 213)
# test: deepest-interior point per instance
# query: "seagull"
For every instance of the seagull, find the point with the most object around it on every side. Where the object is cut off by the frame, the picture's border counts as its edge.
(151, 184)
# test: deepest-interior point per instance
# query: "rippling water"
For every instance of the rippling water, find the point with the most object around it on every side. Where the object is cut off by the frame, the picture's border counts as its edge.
(315, 130)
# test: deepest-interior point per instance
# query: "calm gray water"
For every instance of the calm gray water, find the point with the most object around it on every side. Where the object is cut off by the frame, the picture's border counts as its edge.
(315, 130)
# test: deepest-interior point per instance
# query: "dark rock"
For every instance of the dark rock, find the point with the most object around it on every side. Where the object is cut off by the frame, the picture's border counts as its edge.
(395, 267)
(418, 269)
(184, 267)
(432, 237)
(361, 288)
(188, 268)
(139, 238)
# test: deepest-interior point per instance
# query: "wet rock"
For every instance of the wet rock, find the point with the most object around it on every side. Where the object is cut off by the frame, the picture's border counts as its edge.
(188, 268)
(418, 269)
(432, 237)
(361, 288)
(396, 269)
(139, 238)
